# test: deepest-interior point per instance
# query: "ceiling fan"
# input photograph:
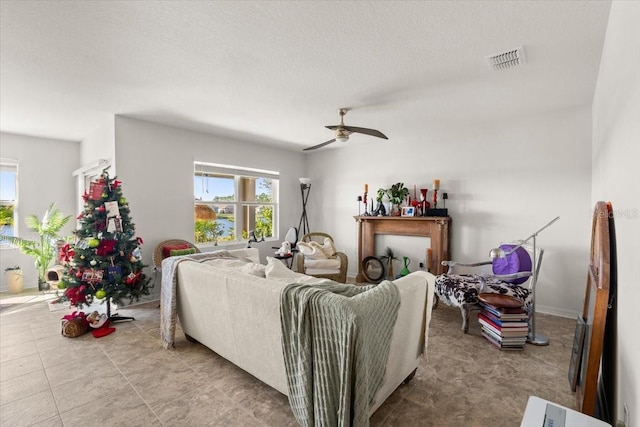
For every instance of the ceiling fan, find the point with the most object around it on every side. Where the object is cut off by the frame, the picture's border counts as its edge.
(343, 131)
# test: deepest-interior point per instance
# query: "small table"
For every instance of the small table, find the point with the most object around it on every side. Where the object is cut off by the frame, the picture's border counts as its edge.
(535, 413)
(288, 259)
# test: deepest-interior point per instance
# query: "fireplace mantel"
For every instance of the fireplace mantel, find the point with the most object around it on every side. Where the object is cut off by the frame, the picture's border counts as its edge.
(437, 228)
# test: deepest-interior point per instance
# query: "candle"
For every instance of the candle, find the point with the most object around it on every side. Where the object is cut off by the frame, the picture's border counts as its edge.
(436, 184)
(366, 188)
(415, 194)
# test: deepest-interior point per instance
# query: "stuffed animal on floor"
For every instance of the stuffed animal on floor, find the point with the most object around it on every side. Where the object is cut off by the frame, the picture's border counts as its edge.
(99, 324)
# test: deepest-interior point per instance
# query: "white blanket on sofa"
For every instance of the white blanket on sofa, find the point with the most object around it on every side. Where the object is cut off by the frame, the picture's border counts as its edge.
(168, 310)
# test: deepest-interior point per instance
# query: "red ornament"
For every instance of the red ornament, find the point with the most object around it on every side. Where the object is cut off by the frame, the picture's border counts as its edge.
(79, 274)
(116, 183)
(132, 278)
(106, 247)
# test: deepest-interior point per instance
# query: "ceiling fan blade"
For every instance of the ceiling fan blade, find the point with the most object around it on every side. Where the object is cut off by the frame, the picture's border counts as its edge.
(366, 131)
(319, 145)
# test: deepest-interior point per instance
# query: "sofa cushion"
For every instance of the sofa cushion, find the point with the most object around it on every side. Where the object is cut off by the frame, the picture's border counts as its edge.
(179, 252)
(322, 264)
(315, 250)
(254, 269)
(276, 270)
(166, 250)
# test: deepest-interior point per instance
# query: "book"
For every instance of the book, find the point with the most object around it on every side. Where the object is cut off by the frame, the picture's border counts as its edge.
(501, 346)
(505, 325)
(504, 322)
(505, 313)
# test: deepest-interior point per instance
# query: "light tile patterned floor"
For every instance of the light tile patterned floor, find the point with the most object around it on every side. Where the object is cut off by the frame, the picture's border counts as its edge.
(126, 379)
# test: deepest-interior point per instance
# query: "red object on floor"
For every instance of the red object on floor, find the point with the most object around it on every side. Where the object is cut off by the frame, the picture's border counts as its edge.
(103, 331)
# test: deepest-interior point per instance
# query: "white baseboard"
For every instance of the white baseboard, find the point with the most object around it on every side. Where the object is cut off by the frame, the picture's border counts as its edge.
(570, 314)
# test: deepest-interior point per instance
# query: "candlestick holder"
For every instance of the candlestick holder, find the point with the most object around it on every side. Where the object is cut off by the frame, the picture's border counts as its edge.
(359, 201)
(423, 201)
(366, 207)
(435, 198)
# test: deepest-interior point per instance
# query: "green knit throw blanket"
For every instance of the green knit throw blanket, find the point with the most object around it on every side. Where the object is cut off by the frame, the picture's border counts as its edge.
(335, 340)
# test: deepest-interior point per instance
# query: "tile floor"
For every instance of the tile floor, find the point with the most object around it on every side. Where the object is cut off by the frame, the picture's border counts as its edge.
(127, 379)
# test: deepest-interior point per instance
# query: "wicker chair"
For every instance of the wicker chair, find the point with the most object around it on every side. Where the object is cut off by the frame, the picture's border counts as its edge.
(340, 274)
(158, 254)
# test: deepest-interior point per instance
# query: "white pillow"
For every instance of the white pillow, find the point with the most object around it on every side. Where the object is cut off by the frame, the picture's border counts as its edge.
(315, 250)
(276, 270)
(254, 269)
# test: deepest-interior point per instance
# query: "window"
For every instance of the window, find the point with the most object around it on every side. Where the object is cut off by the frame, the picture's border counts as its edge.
(230, 201)
(8, 199)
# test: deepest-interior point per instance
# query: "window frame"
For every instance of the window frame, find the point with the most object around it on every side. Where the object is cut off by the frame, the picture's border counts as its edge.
(10, 165)
(240, 205)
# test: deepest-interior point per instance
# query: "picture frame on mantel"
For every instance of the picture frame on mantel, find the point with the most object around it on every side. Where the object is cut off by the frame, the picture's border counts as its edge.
(408, 211)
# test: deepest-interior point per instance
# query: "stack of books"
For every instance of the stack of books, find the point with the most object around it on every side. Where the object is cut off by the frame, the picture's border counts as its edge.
(506, 328)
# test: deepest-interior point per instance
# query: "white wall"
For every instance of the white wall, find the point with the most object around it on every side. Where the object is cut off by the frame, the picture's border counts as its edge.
(100, 144)
(616, 178)
(505, 180)
(155, 163)
(44, 176)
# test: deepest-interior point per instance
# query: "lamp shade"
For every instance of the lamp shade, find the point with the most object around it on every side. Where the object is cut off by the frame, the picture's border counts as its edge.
(305, 181)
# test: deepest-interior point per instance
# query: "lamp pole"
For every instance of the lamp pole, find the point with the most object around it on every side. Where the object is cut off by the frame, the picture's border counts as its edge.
(305, 188)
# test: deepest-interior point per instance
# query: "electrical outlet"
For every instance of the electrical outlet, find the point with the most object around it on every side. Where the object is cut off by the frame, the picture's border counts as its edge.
(627, 416)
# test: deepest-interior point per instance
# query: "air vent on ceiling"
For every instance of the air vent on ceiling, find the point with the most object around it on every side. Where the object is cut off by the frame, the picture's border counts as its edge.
(507, 59)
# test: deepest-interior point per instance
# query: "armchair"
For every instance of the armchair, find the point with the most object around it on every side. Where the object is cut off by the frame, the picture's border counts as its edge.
(507, 276)
(164, 248)
(317, 257)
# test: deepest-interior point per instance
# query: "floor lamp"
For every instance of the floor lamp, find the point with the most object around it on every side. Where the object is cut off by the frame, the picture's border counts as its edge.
(532, 338)
(305, 188)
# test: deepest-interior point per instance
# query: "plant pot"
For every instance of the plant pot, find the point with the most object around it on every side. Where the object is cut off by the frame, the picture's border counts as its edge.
(15, 281)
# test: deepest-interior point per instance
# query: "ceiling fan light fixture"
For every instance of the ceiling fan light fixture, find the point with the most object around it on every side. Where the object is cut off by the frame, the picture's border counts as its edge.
(342, 138)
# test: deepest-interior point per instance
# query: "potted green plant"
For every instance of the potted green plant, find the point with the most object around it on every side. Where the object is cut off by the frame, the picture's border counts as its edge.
(43, 249)
(397, 194)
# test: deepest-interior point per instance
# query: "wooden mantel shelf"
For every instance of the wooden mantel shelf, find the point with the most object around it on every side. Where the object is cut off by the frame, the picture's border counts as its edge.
(435, 227)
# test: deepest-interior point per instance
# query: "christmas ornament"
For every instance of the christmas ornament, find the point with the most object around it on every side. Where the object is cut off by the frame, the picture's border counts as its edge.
(123, 201)
(93, 262)
(96, 189)
(93, 243)
(82, 257)
(106, 247)
(100, 293)
(92, 275)
(132, 278)
(114, 271)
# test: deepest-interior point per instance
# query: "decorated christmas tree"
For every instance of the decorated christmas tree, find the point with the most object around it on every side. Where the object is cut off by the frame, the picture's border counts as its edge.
(105, 262)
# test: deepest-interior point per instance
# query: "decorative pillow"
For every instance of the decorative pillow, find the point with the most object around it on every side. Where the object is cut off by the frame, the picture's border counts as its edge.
(516, 262)
(254, 269)
(315, 250)
(276, 270)
(179, 252)
(166, 250)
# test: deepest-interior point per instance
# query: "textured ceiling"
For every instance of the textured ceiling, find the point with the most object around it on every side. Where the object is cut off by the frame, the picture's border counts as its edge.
(277, 71)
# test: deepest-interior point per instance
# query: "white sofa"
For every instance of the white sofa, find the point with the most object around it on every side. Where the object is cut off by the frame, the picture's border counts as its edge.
(237, 315)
